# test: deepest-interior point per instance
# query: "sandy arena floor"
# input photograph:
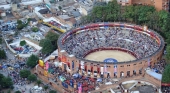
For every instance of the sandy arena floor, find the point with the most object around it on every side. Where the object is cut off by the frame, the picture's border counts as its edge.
(104, 54)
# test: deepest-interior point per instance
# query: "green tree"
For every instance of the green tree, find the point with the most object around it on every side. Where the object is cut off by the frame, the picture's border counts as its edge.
(168, 52)
(2, 54)
(34, 29)
(59, 7)
(1, 77)
(29, 19)
(32, 61)
(138, 13)
(45, 87)
(143, 12)
(22, 43)
(24, 73)
(166, 75)
(20, 26)
(39, 82)
(1, 40)
(47, 46)
(17, 92)
(152, 20)
(52, 91)
(164, 20)
(19, 22)
(98, 12)
(32, 77)
(5, 82)
(53, 37)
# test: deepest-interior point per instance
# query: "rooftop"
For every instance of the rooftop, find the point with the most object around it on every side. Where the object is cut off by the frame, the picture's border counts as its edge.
(154, 74)
(76, 13)
(44, 11)
(64, 16)
(33, 20)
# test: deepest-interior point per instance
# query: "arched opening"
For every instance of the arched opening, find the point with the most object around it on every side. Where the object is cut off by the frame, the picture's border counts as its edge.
(89, 73)
(121, 74)
(115, 74)
(128, 73)
(108, 75)
(95, 74)
(140, 71)
(134, 72)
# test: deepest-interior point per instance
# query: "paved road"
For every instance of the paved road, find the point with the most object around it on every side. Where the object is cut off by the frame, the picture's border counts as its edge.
(9, 54)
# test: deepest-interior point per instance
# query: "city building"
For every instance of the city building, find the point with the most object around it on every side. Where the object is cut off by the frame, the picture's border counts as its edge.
(159, 4)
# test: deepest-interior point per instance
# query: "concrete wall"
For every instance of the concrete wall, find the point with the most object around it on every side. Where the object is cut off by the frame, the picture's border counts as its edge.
(150, 78)
(13, 51)
(29, 43)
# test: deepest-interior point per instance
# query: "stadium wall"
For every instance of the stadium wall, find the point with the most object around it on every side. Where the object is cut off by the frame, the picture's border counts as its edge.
(124, 69)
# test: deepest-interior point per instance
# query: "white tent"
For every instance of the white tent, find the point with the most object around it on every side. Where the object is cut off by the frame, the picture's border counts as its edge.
(52, 56)
(39, 88)
(35, 87)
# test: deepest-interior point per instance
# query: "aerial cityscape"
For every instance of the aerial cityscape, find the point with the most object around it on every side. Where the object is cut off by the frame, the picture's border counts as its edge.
(84, 46)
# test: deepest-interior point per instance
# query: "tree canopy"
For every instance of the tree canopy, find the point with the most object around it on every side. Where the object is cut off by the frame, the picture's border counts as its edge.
(24, 73)
(5, 82)
(52, 91)
(2, 54)
(32, 77)
(168, 52)
(39, 82)
(49, 44)
(166, 75)
(32, 61)
(21, 24)
(1, 40)
(34, 29)
(22, 43)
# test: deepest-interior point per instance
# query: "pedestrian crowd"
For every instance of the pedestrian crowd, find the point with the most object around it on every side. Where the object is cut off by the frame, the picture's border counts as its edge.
(12, 69)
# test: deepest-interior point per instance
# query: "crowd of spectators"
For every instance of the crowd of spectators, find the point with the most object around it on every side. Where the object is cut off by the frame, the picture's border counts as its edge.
(160, 66)
(67, 79)
(84, 41)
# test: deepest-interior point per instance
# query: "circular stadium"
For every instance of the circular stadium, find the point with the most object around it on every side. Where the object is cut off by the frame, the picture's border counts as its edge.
(109, 49)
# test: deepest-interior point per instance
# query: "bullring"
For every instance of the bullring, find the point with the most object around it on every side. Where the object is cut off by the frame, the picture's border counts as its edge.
(144, 44)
